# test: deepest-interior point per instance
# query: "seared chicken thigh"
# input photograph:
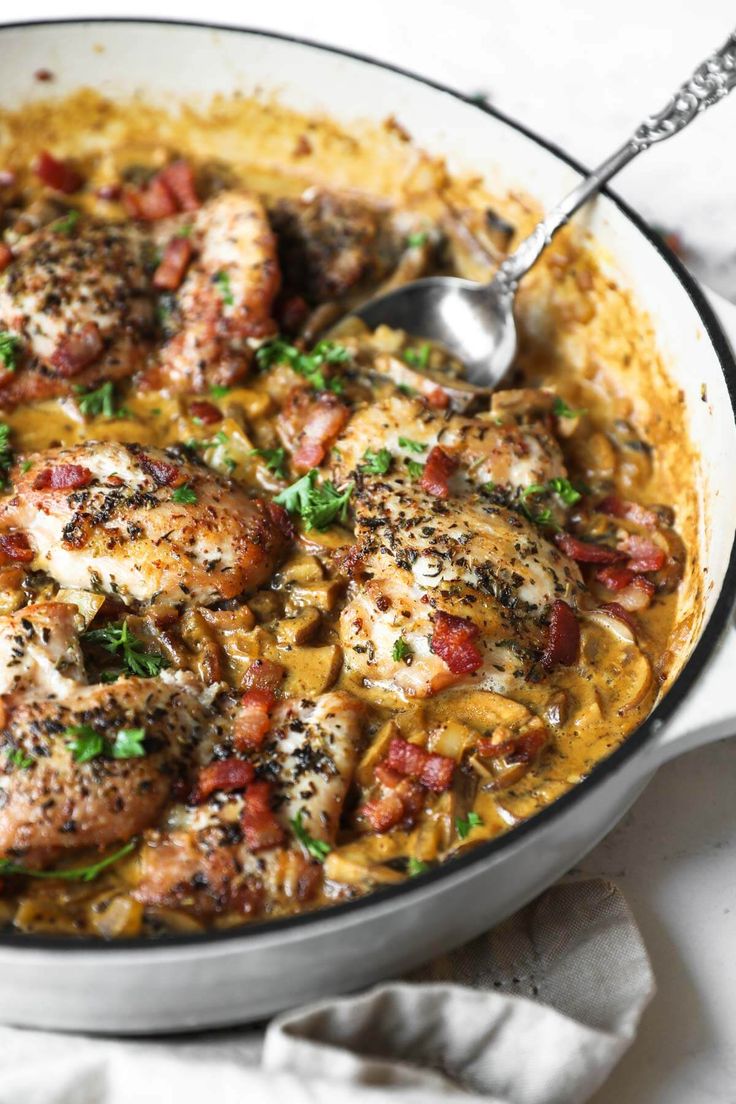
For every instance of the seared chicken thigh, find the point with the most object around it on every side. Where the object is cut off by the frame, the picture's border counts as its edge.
(143, 524)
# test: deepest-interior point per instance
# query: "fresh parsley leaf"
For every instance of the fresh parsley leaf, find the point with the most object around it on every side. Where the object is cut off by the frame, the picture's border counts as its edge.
(418, 358)
(221, 280)
(217, 391)
(405, 389)
(416, 866)
(401, 651)
(274, 459)
(6, 454)
(532, 489)
(376, 463)
(184, 231)
(128, 744)
(564, 489)
(79, 874)
(9, 346)
(118, 638)
(19, 759)
(562, 410)
(220, 438)
(66, 224)
(418, 239)
(317, 504)
(413, 446)
(84, 743)
(100, 402)
(26, 466)
(184, 496)
(415, 469)
(308, 365)
(318, 849)
(463, 827)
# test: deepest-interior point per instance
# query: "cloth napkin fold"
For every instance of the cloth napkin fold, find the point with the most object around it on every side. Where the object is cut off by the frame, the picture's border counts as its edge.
(537, 1011)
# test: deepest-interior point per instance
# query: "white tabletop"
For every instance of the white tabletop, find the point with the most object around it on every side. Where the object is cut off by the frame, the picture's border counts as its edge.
(583, 77)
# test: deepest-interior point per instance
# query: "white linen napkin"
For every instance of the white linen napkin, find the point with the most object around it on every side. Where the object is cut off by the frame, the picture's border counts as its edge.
(537, 1011)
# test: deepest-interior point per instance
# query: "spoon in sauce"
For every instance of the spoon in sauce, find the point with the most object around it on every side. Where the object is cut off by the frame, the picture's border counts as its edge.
(475, 322)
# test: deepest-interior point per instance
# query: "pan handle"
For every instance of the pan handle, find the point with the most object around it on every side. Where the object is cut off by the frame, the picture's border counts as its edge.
(708, 712)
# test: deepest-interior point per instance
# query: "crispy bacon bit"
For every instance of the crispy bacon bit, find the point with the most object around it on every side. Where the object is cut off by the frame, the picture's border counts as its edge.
(585, 552)
(615, 578)
(613, 609)
(263, 674)
(57, 174)
(437, 773)
(438, 398)
(260, 827)
(170, 273)
(205, 412)
(437, 472)
(280, 517)
(6, 256)
(165, 474)
(631, 511)
(433, 771)
(637, 596)
(227, 775)
(179, 179)
(644, 555)
(109, 192)
(384, 812)
(64, 477)
(452, 641)
(15, 547)
(76, 351)
(563, 636)
(325, 418)
(520, 747)
(254, 718)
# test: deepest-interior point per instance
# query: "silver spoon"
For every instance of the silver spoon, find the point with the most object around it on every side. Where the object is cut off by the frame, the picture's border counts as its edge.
(475, 322)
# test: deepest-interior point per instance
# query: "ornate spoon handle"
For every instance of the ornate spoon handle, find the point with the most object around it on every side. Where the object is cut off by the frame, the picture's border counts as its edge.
(710, 82)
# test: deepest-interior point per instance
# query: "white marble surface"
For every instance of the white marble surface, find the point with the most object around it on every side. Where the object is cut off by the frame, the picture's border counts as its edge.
(583, 76)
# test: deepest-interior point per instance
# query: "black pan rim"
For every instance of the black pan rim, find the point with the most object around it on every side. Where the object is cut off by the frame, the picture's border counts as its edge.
(709, 638)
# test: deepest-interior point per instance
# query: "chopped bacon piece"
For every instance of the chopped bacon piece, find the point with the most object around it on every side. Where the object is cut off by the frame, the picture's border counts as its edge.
(57, 174)
(205, 412)
(438, 773)
(438, 398)
(280, 517)
(585, 552)
(638, 596)
(64, 477)
(325, 419)
(6, 256)
(170, 273)
(613, 609)
(563, 636)
(437, 471)
(452, 641)
(77, 350)
(15, 547)
(260, 827)
(165, 474)
(225, 774)
(521, 747)
(384, 812)
(254, 718)
(644, 555)
(263, 674)
(615, 578)
(179, 179)
(109, 191)
(433, 771)
(631, 511)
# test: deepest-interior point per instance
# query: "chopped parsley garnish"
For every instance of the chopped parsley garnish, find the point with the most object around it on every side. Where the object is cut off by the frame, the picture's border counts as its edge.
(318, 849)
(308, 365)
(318, 505)
(418, 358)
(561, 487)
(376, 463)
(564, 489)
(85, 744)
(26, 466)
(562, 410)
(217, 391)
(184, 496)
(401, 651)
(100, 402)
(274, 459)
(6, 454)
(416, 866)
(415, 469)
(221, 280)
(413, 446)
(9, 345)
(405, 389)
(463, 827)
(19, 759)
(414, 241)
(118, 638)
(184, 231)
(78, 874)
(66, 224)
